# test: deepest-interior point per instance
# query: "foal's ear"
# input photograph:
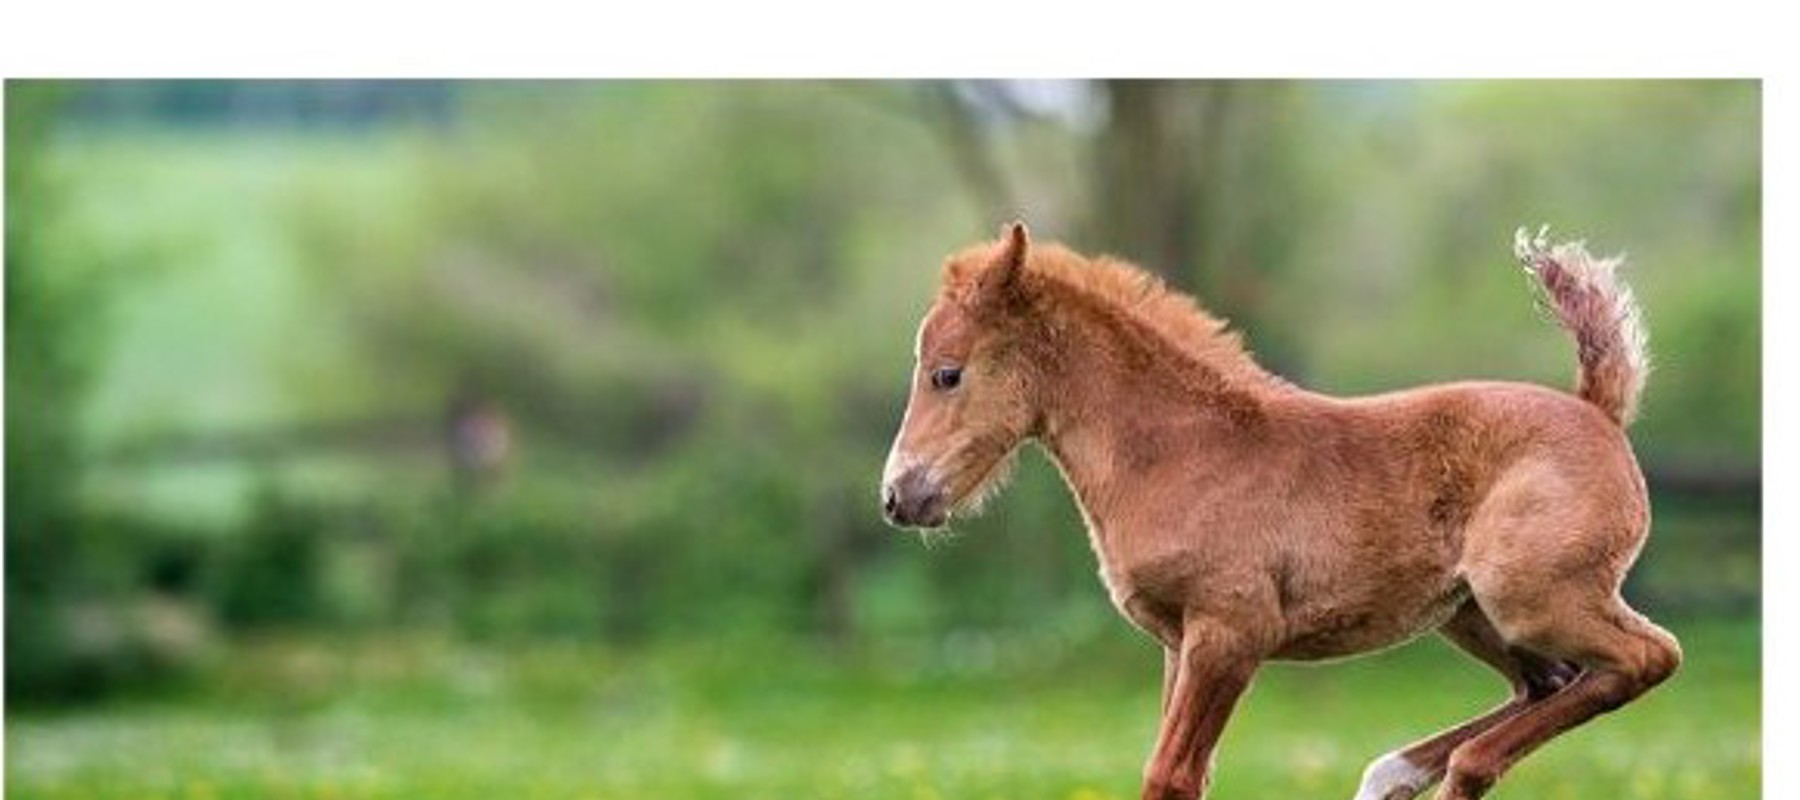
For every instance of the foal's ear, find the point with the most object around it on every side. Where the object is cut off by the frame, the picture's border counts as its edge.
(1001, 277)
(1014, 240)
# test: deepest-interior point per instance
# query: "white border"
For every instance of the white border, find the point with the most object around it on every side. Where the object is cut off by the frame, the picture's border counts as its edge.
(927, 38)
(1781, 436)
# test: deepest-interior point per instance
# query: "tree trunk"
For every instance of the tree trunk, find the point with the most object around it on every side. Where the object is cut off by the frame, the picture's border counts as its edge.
(1192, 182)
(1149, 163)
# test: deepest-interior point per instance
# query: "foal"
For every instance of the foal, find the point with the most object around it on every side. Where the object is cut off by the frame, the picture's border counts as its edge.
(1239, 518)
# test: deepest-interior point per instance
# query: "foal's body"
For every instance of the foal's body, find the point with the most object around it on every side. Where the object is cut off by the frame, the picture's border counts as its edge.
(1238, 518)
(1334, 527)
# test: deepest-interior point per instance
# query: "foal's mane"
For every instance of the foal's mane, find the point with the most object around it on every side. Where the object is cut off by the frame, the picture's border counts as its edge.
(1122, 291)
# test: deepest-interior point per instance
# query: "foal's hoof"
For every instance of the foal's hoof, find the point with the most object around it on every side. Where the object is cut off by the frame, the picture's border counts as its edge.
(1392, 777)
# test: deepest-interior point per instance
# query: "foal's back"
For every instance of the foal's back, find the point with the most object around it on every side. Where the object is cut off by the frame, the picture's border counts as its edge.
(1454, 443)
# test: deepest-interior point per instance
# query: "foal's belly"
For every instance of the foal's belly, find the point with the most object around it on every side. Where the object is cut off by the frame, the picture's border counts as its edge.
(1326, 631)
(1300, 610)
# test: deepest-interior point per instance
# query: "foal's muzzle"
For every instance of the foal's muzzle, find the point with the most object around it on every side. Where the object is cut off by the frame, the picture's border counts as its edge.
(912, 500)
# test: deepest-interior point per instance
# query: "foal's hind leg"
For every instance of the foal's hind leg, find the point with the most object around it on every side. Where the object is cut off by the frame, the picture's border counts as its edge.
(1405, 773)
(1622, 654)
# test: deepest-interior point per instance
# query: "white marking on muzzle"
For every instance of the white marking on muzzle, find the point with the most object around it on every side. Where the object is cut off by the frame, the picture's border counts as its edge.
(897, 461)
(897, 464)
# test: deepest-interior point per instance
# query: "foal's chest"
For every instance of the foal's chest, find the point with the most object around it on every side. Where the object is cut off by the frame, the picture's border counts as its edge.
(1156, 593)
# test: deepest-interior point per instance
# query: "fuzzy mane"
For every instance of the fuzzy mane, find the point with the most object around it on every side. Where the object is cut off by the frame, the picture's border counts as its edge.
(1122, 290)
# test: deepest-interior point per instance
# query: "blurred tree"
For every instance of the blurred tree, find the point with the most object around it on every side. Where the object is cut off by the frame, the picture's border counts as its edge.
(1194, 180)
(56, 328)
(969, 145)
(1151, 162)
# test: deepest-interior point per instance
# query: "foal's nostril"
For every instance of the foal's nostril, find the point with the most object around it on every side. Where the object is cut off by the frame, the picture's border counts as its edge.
(889, 501)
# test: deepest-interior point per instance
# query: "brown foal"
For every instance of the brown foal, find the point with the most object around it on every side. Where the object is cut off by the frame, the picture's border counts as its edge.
(1239, 518)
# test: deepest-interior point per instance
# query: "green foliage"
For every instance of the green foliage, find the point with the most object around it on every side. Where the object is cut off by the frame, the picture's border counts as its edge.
(270, 573)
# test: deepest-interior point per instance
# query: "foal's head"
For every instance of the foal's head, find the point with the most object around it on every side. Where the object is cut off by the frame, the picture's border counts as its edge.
(975, 387)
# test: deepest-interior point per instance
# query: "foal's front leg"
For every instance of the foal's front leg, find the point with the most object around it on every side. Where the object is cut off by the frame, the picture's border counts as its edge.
(1211, 670)
(1171, 668)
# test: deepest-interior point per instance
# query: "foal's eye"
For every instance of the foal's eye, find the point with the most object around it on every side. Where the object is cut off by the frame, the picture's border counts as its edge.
(946, 377)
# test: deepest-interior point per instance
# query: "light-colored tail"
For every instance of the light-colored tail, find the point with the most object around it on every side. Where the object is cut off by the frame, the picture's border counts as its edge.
(1589, 301)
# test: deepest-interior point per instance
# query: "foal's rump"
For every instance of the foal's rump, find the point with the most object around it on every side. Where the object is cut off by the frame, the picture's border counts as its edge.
(1430, 493)
(1565, 508)
(1537, 469)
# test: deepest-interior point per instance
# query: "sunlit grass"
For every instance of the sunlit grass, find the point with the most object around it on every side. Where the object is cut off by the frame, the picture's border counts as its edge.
(968, 719)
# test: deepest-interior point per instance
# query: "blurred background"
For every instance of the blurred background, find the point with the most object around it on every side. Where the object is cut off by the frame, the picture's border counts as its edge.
(471, 439)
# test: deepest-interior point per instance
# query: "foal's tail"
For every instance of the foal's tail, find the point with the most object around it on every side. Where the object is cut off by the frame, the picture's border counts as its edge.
(1590, 301)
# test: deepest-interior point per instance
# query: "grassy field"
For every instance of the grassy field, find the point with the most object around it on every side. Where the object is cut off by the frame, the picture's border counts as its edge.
(967, 717)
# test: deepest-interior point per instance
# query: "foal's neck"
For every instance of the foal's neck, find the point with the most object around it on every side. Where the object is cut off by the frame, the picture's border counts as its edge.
(1131, 405)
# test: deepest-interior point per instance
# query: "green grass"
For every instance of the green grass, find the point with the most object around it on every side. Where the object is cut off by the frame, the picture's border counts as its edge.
(966, 717)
